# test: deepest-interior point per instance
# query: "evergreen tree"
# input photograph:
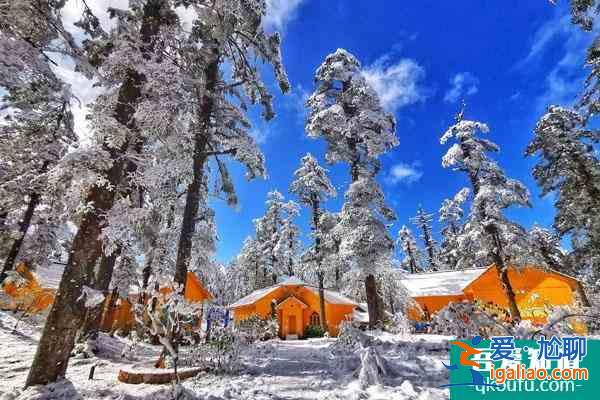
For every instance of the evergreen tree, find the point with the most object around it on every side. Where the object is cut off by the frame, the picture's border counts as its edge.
(347, 113)
(36, 133)
(569, 168)
(270, 232)
(115, 135)
(451, 213)
(488, 236)
(412, 254)
(423, 221)
(313, 187)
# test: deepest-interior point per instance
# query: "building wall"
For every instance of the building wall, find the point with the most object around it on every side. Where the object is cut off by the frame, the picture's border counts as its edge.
(536, 293)
(334, 313)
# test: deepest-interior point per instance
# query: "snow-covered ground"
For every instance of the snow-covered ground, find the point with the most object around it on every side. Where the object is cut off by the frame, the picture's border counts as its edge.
(272, 370)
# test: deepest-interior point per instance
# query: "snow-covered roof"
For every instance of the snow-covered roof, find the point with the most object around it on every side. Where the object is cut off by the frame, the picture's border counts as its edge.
(253, 297)
(440, 283)
(49, 275)
(331, 297)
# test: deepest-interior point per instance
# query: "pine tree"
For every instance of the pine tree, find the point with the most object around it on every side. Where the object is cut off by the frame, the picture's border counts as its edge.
(423, 221)
(569, 168)
(67, 313)
(36, 133)
(488, 236)
(412, 254)
(347, 113)
(313, 187)
(229, 32)
(451, 213)
(270, 232)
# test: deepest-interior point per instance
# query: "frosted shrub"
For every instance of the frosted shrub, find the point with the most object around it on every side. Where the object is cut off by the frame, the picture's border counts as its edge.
(351, 337)
(399, 325)
(255, 328)
(465, 320)
(221, 353)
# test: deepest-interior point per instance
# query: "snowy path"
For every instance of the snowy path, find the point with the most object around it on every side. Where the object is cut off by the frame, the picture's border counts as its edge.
(273, 370)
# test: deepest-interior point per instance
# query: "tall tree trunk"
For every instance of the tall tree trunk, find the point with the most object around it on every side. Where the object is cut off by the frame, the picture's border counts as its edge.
(429, 244)
(93, 318)
(68, 311)
(11, 257)
(323, 316)
(316, 214)
(193, 198)
(502, 270)
(373, 302)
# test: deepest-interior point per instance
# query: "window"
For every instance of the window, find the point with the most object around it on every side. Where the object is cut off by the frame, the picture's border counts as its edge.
(315, 319)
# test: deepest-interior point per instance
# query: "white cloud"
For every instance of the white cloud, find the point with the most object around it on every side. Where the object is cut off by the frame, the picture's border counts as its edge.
(565, 79)
(398, 84)
(84, 91)
(404, 173)
(73, 8)
(461, 85)
(279, 13)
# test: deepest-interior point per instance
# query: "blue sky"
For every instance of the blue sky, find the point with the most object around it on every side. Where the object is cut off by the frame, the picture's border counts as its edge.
(509, 60)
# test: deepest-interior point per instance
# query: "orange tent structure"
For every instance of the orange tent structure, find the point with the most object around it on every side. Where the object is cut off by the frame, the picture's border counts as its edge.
(296, 306)
(34, 292)
(537, 290)
(119, 315)
(26, 293)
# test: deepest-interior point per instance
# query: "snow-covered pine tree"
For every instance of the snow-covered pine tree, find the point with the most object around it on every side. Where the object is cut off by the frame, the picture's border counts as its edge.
(584, 13)
(423, 222)
(313, 187)
(451, 214)
(230, 35)
(488, 236)
(36, 132)
(347, 113)
(287, 249)
(334, 266)
(133, 45)
(412, 254)
(569, 168)
(250, 268)
(270, 233)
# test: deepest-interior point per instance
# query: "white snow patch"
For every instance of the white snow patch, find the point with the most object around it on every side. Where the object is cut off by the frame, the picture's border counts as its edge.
(440, 283)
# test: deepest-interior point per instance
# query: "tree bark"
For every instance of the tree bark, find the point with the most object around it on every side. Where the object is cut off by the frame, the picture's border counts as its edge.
(192, 200)
(68, 311)
(373, 302)
(11, 257)
(93, 319)
(502, 270)
(316, 214)
(323, 316)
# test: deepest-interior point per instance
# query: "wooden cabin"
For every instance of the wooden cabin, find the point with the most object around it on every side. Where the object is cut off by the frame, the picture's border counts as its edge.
(537, 290)
(296, 306)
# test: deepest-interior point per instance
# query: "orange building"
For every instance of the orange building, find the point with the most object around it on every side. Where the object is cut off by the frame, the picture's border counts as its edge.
(25, 293)
(537, 290)
(34, 292)
(296, 306)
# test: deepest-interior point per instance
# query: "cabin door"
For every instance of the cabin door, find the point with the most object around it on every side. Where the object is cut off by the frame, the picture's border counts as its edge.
(292, 329)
